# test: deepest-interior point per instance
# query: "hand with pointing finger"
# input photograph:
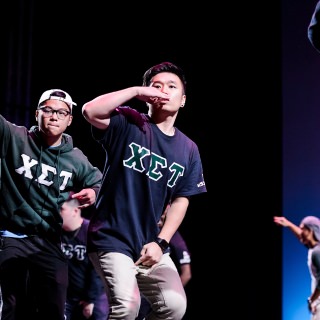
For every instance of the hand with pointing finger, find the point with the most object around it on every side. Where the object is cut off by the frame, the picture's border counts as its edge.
(86, 197)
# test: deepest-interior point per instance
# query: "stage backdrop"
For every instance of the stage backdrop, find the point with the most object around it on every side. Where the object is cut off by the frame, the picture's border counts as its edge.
(301, 149)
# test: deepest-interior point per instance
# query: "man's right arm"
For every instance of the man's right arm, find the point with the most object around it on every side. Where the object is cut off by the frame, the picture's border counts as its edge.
(98, 111)
(296, 230)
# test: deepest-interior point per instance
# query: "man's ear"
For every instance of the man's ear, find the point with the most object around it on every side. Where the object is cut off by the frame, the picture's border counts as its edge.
(70, 120)
(183, 102)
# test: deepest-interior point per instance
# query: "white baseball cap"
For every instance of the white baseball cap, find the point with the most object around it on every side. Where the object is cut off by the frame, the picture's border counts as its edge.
(57, 94)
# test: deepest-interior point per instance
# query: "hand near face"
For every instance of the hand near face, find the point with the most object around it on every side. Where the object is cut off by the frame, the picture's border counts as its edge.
(86, 197)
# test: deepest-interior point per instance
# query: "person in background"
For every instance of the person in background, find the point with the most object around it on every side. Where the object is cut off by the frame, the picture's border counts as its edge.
(39, 167)
(308, 233)
(149, 164)
(86, 297)
(181, 256)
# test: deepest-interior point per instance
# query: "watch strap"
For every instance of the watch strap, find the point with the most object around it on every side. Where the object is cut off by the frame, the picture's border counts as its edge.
(162, 243)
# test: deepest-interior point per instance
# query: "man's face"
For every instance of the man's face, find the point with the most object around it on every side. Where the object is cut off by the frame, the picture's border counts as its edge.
(171, 84)
(52, 125)
(67, 213)
(306, 236)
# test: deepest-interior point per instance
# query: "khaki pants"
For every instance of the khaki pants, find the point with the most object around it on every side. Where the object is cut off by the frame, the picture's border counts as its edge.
(160, 284)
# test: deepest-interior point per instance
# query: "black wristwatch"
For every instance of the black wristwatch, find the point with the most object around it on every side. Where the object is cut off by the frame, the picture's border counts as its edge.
(163, 244)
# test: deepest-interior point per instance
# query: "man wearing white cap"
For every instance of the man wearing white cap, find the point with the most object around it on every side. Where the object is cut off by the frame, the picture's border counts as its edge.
(308, 232)
(39, 168)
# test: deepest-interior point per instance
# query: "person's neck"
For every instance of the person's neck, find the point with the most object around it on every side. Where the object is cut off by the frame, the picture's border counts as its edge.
(52, 141)
(165, 124)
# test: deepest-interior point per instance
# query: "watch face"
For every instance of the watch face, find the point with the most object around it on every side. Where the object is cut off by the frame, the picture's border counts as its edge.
(163, 243)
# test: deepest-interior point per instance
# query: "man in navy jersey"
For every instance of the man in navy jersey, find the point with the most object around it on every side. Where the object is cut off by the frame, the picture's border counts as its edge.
(86, 297)
(149, 164)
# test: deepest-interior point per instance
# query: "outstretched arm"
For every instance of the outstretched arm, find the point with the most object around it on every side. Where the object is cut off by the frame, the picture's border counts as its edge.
(282, 221)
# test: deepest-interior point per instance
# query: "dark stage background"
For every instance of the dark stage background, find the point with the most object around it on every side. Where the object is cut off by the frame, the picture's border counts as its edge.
(232, 58)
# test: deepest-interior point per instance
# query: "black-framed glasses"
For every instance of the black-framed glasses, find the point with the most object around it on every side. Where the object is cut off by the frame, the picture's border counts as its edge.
(48, 112)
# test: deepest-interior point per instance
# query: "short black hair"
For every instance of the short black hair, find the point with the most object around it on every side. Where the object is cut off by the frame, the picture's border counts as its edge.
(164, 67)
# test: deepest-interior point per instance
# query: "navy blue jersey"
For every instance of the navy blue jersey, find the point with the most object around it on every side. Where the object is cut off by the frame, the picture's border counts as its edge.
(84, 282)
(144, 170)
(179, 251)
